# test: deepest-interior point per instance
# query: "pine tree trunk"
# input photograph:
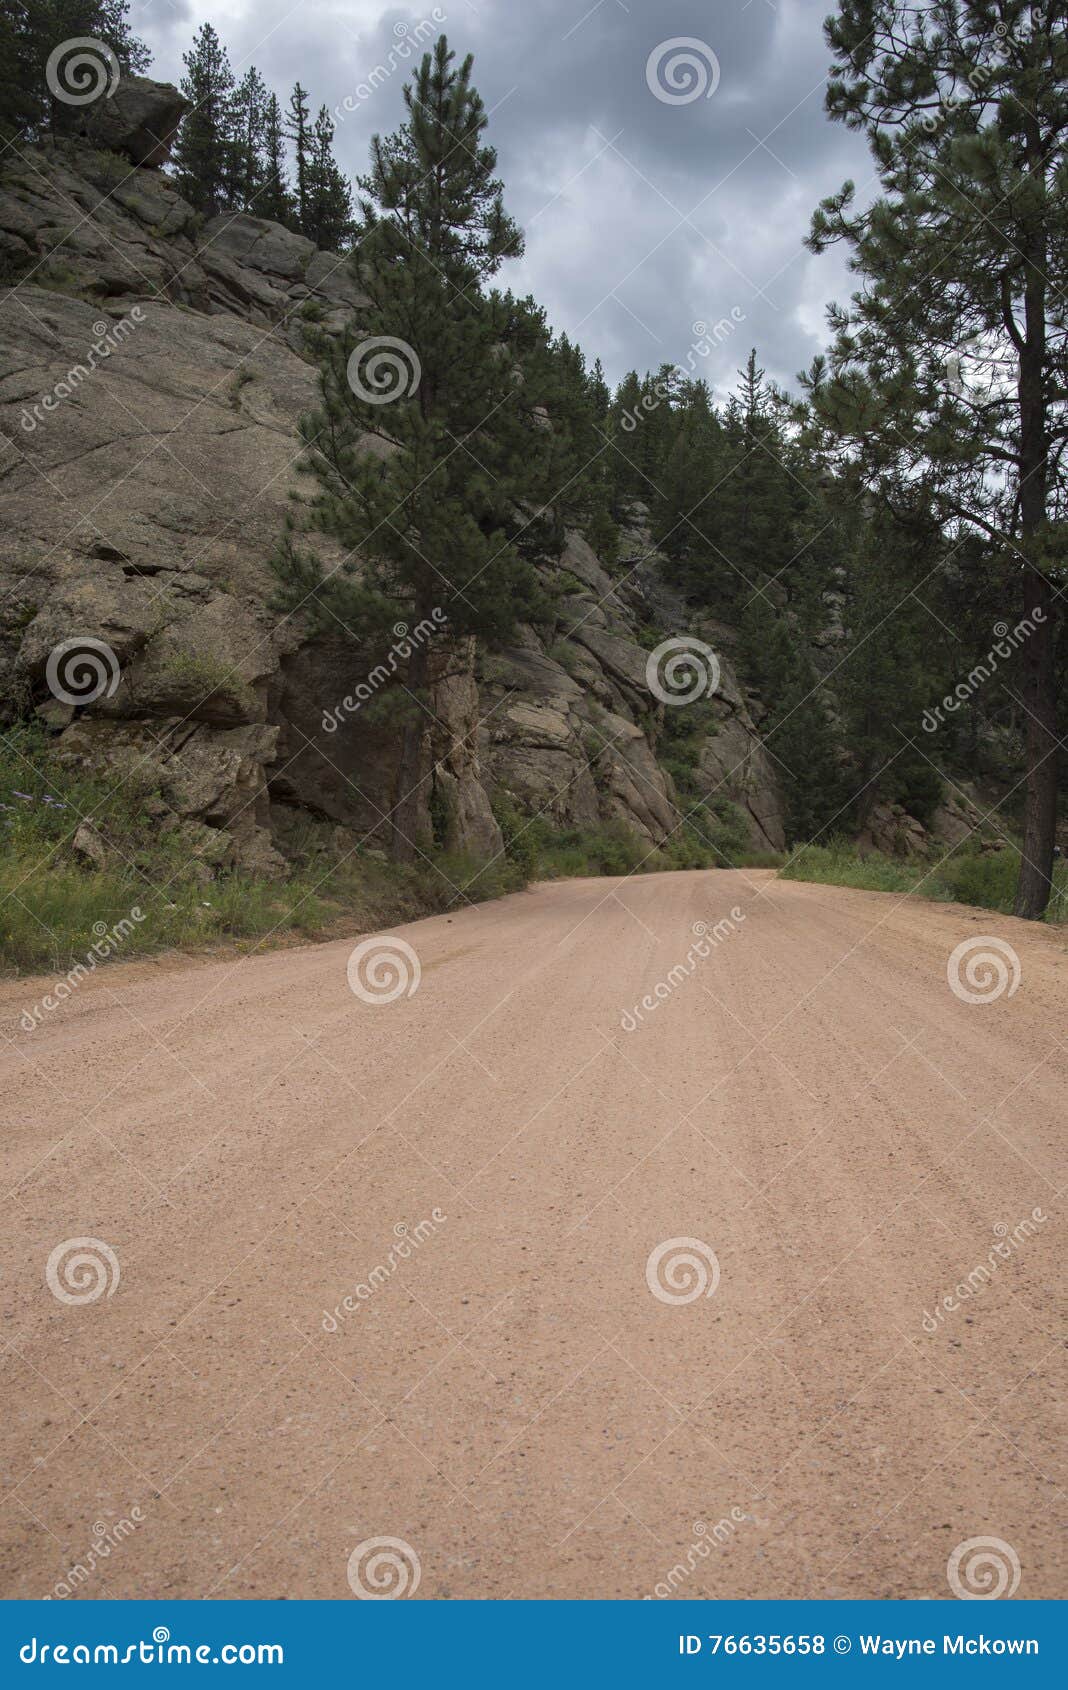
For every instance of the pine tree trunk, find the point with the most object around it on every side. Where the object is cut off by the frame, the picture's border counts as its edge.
(1040, 698)
(1039, 675)
(409, 797)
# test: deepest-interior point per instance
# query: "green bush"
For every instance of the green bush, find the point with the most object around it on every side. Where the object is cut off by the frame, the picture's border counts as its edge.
(55, 906)
(724, 828)
(988, 880)
(967, 876)
(520, 842)
(611, 849)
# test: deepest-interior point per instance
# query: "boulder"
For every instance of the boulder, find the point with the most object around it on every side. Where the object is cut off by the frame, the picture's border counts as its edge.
(139, 119)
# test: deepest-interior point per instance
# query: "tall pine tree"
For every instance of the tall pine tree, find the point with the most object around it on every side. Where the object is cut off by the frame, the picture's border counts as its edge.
(429, 523)
(328, 218)
(275, 199)
(298, 132)
(247, 145)
(204, 150)
(950, 367)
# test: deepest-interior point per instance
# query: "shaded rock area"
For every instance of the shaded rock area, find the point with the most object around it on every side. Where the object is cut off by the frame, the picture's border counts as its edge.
(155, 369)
(139, 119)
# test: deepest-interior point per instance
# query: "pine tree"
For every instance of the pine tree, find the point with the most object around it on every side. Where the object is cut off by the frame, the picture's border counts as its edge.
(274, 200)
(890, 675)
(21, 41)
(298, 132)
(435, 517)
(247, 162)
(29, 31)
(204, 150)
(328, 218)
(950, 367)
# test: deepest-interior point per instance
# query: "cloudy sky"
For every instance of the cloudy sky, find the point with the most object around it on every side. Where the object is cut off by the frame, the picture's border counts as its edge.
(644, 215)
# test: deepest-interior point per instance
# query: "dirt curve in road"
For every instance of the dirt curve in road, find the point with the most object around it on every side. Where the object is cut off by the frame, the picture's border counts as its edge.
(639, 1301)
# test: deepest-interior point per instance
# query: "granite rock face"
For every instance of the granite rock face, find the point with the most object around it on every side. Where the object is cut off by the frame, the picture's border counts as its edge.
(156, 368)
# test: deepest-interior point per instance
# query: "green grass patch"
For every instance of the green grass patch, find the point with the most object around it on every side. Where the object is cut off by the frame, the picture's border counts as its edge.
(986, 879)
(157, 888)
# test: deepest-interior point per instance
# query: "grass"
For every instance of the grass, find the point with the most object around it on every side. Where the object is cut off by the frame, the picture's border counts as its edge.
(157, 880)
(719, 838)
(158, 884)
(966, 876)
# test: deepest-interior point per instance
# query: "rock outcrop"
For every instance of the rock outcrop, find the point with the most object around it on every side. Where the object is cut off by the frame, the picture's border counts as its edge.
(139, 120)
(156, 369)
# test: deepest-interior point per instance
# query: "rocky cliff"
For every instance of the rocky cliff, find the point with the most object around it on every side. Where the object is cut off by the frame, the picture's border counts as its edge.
(155, 368)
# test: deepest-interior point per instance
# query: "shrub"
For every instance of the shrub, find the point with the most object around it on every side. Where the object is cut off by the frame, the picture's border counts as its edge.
(967, 876)
(56, 906)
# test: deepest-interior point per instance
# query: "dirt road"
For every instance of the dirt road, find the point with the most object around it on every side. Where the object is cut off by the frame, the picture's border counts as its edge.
(636, 1295)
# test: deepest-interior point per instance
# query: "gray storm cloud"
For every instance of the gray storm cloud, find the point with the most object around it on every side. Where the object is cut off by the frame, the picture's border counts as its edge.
(644, 214)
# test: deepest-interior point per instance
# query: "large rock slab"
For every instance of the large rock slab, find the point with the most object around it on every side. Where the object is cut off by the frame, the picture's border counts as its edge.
(138, 119)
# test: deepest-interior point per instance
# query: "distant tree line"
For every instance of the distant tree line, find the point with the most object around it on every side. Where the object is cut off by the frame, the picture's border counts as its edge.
(237, 150)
